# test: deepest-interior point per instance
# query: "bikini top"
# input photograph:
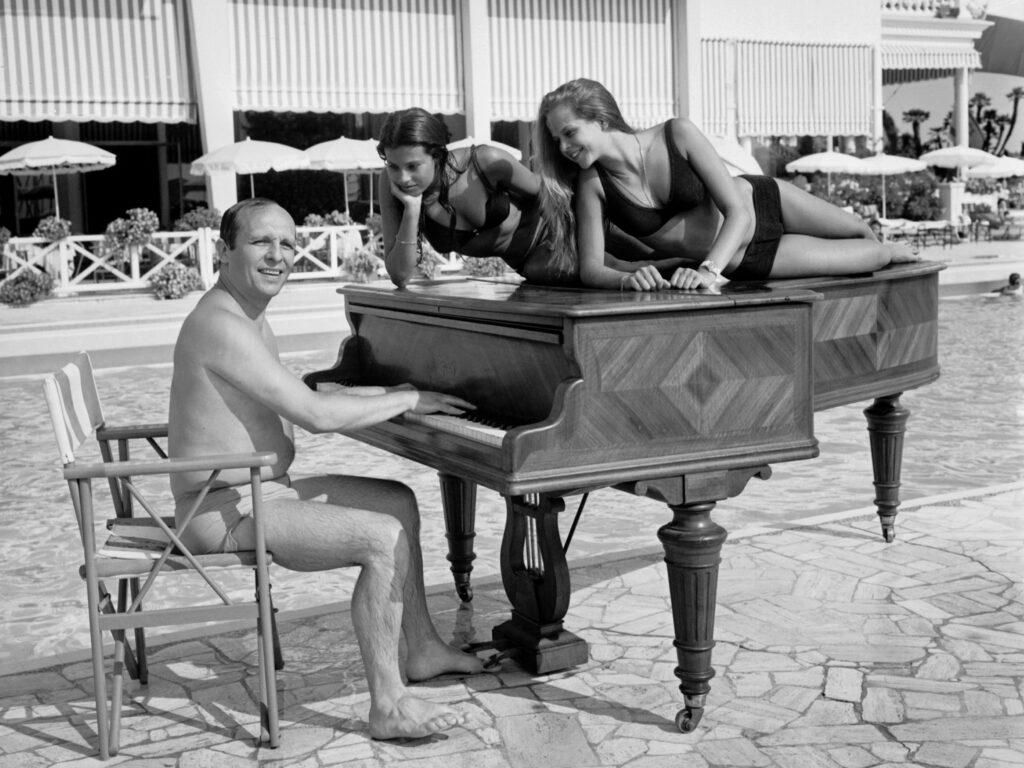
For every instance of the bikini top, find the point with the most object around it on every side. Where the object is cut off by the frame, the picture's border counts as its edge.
(686, 191)
(446, 238)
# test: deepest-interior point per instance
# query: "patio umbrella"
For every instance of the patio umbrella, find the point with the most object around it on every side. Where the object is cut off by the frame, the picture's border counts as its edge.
(250, 157)
(345, 155)
(469, 141)
(956, 157)
(827, 163)
(55, 156)
(1001, 168)
(889, 165)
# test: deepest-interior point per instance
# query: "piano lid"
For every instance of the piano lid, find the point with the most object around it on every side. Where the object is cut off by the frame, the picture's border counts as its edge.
(488, 294)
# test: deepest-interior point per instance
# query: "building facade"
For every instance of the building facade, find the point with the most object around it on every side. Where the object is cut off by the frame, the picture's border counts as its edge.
(159, 82)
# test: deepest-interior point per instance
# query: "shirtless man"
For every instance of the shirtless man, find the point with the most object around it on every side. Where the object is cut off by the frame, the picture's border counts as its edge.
(230, 394)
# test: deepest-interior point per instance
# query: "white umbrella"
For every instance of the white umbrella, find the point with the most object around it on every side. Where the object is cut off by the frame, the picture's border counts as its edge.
(737, 160)
(344, 155)
(469, 141)
(957, 157)
(889, 165)
(1003, 167)
(827, 163)
(55, 156)
(250, 157)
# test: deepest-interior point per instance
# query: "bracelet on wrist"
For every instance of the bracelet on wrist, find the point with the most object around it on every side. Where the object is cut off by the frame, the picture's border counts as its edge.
(709, 266)
(623, 281)
(407, 242)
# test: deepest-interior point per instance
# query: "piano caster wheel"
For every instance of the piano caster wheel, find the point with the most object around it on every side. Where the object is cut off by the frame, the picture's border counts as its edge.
(688, 719)
(465, 592)
(889, 534)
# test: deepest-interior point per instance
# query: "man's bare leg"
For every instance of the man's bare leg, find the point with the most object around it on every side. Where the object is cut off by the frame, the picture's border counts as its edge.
(377, 611)
(314, 536)
(424, 654)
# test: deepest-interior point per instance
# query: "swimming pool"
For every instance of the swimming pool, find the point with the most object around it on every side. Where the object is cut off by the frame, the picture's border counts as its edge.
(966, 431)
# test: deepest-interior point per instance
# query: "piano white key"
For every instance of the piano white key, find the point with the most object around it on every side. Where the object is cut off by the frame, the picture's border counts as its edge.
(457, 425)
(453, 425)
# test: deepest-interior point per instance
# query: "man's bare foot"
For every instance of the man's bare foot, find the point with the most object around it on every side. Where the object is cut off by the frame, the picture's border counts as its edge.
(437, 658)
(412, 718)
(902, 254)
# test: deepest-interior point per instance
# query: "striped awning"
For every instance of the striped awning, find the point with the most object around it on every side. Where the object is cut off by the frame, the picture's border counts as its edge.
(627, 47)
(787, 89)
(95, 60)
(346, 55)
(930, 55)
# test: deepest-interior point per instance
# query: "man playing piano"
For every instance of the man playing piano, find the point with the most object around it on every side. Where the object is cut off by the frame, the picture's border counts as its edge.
(230, 394)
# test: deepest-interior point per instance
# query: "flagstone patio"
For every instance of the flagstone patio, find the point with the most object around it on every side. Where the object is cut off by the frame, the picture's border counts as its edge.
(834, 650)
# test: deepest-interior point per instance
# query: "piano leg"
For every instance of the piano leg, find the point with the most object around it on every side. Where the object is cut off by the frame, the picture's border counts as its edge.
(536, 579)
(458, 499)
(887, 423)
(693, 547)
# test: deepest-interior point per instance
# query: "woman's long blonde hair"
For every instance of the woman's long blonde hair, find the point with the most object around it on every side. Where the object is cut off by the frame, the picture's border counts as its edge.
(589, 100)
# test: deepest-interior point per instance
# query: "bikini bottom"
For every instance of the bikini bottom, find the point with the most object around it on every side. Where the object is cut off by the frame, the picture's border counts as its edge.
(759, 256)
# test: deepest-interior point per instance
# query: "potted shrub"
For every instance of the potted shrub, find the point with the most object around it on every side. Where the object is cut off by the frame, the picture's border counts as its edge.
(174, 280)
(491, 266)
(200, 217)
(52, 229)
(362, 264)
(26, 287)
(134, 230)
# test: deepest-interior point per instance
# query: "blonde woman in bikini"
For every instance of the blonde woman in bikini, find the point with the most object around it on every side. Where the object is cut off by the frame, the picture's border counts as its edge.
(667, 187)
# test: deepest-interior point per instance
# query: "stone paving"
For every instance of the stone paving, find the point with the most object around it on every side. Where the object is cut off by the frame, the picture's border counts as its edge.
(834, 650)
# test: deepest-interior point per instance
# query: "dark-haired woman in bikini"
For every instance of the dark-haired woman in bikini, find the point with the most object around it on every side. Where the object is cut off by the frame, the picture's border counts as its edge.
(478, 201)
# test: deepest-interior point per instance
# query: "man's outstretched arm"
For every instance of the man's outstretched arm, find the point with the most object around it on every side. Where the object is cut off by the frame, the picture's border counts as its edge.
(234, 351)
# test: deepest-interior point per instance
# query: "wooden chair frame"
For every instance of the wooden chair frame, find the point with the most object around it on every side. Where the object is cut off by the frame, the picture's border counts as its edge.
(76, 413)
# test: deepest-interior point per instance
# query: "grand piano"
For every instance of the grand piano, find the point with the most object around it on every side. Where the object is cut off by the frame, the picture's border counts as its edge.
(677, 396)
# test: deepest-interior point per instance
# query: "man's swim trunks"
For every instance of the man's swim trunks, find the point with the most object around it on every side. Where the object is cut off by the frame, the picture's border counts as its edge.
(213, 527)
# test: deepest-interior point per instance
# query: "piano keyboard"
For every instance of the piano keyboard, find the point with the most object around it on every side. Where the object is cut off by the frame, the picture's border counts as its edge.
(459, 425)
(464, 426)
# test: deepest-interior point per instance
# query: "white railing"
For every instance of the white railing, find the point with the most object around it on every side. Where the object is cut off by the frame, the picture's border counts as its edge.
(81, 263)
(923, 7)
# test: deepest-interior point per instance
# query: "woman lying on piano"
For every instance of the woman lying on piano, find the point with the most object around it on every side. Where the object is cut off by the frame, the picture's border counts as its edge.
(667, 187)
(477, 201)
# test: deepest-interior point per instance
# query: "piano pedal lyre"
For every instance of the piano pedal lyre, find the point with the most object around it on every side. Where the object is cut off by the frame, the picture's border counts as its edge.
(536, 580)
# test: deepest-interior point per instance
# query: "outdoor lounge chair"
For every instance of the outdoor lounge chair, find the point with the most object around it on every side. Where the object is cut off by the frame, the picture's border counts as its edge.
(1000, 226)
(141, 550)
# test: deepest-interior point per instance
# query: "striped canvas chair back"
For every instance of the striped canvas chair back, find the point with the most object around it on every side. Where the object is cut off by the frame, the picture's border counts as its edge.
(74, 405)
(138, 553)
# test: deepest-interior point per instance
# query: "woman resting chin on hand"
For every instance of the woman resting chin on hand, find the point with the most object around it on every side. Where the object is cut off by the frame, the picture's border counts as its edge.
(479, 202)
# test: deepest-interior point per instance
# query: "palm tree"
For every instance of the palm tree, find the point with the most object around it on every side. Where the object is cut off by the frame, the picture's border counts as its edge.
(979, 101)
(915, 117)
(1015, 95)
(990, 127)
(1002, 122)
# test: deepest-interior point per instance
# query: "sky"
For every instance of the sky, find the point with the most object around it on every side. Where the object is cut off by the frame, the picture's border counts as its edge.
(936, 96)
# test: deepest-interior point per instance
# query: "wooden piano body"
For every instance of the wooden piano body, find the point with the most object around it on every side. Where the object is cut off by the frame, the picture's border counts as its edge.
(678, 396)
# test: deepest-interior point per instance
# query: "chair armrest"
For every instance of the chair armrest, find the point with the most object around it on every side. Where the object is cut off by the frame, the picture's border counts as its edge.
(166, 466)
(132, 432)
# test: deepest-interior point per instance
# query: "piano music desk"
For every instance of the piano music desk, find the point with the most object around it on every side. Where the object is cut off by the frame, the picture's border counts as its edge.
(678, 396)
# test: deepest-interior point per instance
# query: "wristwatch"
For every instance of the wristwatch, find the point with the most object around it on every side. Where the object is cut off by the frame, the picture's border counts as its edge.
(710, 267)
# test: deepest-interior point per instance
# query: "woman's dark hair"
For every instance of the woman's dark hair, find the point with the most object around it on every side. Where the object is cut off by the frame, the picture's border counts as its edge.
(417, 127)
